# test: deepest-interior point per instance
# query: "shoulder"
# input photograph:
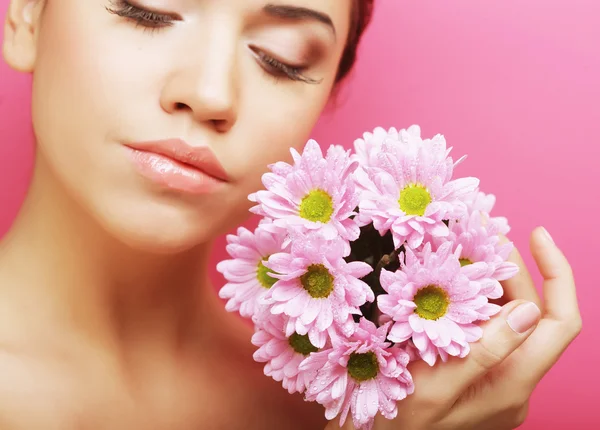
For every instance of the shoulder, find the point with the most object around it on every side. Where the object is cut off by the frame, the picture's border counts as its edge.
(31, 396)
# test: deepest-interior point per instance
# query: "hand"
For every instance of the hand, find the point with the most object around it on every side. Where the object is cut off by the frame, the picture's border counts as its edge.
(490, 388)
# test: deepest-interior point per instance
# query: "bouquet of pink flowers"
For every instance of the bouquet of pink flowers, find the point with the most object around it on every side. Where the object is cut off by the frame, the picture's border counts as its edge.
(363, 262)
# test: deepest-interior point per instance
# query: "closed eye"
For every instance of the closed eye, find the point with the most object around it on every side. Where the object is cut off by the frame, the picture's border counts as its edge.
(141, 16)
(155, 20)
(278, 68)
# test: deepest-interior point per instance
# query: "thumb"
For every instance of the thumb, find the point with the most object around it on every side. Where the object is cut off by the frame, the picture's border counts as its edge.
(502, 334)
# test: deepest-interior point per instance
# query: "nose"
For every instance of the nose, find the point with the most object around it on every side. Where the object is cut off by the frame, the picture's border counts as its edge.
(205, 84)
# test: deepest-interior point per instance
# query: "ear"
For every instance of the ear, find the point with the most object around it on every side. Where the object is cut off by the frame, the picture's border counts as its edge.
(20, 33)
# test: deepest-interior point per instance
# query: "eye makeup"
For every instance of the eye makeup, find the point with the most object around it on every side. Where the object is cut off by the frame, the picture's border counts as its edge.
(154, 20)
(142, 16)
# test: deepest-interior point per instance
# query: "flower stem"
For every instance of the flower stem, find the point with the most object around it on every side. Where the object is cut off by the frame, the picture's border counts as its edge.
(386, 259)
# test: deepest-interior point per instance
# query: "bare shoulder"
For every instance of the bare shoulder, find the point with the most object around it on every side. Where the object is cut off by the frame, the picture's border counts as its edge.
(32, 396)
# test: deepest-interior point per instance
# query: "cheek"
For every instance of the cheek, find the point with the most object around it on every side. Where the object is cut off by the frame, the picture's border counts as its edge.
(70, 98)
(83, 72)
(274, 121)
(266, 136)
(88, 95)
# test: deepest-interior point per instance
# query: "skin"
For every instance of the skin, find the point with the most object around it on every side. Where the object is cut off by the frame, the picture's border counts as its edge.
(107, 315)
(127, 329)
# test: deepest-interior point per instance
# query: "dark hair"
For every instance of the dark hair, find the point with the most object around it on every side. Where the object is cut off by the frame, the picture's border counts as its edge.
(362, 11)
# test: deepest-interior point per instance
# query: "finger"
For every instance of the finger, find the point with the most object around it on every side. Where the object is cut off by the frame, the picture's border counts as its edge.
(560, 296)
(335, 424)
(561, 322)
(490, 409)
(381, 423)
(501, 336)
(544, 347)
(520, 286)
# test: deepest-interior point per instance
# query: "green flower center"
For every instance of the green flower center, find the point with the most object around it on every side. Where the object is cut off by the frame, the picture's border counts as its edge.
(464, 262)
(317, 281)
(317, 206)
(263, 277)
(432, 302)
(301, 344)
(414, 199)
(363, 367)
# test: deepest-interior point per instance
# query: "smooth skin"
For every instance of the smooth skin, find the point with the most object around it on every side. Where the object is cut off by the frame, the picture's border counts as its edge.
(108, 319)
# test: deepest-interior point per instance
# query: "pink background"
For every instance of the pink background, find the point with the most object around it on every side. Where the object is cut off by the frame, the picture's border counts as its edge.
(515, 85)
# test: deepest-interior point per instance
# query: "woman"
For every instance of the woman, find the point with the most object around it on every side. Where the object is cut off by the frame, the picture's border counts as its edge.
(108, 318)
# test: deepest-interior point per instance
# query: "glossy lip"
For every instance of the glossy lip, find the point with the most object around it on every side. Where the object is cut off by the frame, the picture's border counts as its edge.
(196, 157)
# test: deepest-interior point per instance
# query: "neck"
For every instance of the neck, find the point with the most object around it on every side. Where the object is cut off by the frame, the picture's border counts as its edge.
(61, 262)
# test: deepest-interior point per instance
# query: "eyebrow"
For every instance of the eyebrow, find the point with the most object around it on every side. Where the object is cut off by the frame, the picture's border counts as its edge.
(297, 13)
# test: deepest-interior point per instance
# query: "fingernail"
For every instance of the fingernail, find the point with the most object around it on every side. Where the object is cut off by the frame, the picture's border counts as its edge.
(524, 317)
(547, 235)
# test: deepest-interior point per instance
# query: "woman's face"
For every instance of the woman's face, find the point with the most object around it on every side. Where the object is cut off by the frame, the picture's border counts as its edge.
(245, 78)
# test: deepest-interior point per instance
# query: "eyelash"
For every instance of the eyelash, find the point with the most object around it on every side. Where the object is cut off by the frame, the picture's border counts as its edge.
(278, 69)
(155, 21)
(141, 17)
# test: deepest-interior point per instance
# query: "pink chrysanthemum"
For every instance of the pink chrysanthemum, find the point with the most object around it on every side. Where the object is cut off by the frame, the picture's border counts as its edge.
(482, 256)
(409, 189)
(484, 203)
(283, 354)
(367, 147)
(247, 276)
(316, 193)
(362, 374)
(433, 302)
(317, 289)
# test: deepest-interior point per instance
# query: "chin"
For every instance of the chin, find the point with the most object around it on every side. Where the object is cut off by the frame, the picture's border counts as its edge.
(155, 229)
(159, 243)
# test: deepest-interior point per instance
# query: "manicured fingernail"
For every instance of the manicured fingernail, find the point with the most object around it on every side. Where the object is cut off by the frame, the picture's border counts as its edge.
(524, 317)
(547, 235)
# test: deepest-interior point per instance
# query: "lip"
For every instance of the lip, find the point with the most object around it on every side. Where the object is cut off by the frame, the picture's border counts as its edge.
(175, 164)
(199, 157)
